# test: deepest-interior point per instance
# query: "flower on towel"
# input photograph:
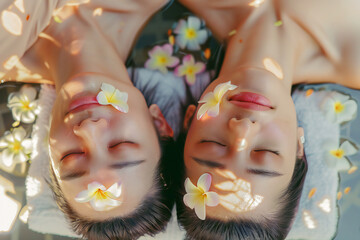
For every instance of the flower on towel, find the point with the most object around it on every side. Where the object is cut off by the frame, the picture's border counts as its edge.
(199, 196)
(189, 69)
(189, 33)
(335, 154)
(16, 149)
(100, 198)
(161, 58)
(212, 100)
(339, 108)
(23, 105)
(109, 95)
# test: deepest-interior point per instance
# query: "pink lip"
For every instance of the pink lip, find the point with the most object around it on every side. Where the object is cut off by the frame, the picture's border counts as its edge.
(83, 103)
(251, 101)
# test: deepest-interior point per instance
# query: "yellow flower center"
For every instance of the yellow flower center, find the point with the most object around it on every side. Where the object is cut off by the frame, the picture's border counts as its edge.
(338, 107)
(339, 153)
(162, 60)
(26, 105)
(190, 71)
(100, 194)
(16, 146)
(190, 33)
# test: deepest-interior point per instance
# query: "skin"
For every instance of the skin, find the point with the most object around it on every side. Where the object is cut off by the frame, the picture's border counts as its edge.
(99, 143)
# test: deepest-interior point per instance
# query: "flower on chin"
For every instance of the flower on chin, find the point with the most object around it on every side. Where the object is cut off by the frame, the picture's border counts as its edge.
(198, 197)
(161, 58)
(23, 105)
(335, 155)
(212, 100)
(109, 95)
(189, 69)
(189, 33)
(16, 148)
(339, 108)
(100, 198)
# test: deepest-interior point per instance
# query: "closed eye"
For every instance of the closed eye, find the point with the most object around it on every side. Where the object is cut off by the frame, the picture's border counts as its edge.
(268, 150)
(212, 141)
(71, 154)
(114, 145)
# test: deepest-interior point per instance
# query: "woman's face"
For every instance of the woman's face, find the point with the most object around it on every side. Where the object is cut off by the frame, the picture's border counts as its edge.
(99, 143)
(250, 151)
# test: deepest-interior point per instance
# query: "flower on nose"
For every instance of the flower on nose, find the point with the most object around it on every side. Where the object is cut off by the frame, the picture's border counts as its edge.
(339, 108)
(197, 197)
(212, 100)
(109, 95)
(335, 156)
(100, 198)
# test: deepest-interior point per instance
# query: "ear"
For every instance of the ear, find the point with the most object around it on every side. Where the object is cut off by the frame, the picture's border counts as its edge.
(188, 116)
(300, 141)
(161, 124)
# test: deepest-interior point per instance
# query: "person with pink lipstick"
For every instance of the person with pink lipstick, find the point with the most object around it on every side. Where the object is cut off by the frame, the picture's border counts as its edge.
(246, 135)
(110, 152)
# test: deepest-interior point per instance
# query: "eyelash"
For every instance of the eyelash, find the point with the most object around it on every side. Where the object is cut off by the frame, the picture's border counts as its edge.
(267, 150)
(118, 143)
(210, 141)
(66, 155)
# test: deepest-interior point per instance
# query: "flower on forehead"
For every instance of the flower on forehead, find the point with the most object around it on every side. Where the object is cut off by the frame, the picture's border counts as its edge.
(100, 198)
(212, 100)
(189, 33)
(109, 95)
(199, 196)
(161, 58)
(23, 105)
(339, 108)
(16, 148)
(189, 69)
(335, 155)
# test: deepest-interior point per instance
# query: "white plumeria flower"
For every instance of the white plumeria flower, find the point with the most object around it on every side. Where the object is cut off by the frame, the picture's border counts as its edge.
(23, 105)
(109, 95)
(199, 196)
(17, 148)
(212, 100)
(161, 58)
(100, 198)
(189, 34)
(339, 108)
(335, 155)
(189, 69)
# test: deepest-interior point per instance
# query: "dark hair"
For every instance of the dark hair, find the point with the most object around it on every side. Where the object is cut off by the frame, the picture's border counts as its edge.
(274, 228)
(149, 218)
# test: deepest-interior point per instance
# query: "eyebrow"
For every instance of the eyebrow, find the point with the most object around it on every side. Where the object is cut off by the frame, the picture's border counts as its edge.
(260, 172)
(121, 165)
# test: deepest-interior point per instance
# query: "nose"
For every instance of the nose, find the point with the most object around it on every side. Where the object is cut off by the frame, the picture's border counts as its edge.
(243, 131)
(92, 132)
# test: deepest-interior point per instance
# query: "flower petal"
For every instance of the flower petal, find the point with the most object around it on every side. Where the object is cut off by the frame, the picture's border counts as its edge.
(348, 148)
(212, 199)
(181, 26)
(167, 48)
(202, 110)
(83, 197)
(190, 79)
(190, 199)
(209, 96)
(29, 92)
(7, 157)
(202, 36)
(173, 61)
(181, 41)
(214, 110)
(193, 22)
(200, 210)
(101, 98)
(107, 88)
(350, 109)
(27, 145)
(204, 182)
(20, 157)
(222, 88)
(190, 187)
(19, 133)
(92, 187)
(28, 117)
(342, 164)
(189, 59)
(115, 190)
(193, 45)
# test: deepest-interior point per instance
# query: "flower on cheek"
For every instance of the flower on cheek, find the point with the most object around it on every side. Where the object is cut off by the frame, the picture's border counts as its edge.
(109, 95)
(212, 100)
(17, 148)
(189, 34)
(199, 196)
(189, 69)
(23, 105)
(161, 58)
(335, 155)
(339, 108)
(100, 198)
